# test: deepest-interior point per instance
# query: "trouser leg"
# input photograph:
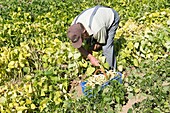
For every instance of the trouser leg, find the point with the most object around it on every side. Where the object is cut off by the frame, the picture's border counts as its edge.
(108, 49)
(108, 53)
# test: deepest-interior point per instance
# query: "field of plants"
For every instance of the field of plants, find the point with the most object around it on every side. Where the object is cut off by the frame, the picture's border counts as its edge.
(38, 63)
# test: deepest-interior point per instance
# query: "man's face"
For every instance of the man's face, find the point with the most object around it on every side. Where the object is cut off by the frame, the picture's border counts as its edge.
(85, 35)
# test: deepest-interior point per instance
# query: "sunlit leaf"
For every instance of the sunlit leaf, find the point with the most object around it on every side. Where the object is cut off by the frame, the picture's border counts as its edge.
(11, 64)
(120, 68)
(30, 89)
(106, 65)
(136, 45)
(135, 62)
(130, 45)
(2, 100)
(43, 103)
(21, 108)
(33, 106)
(77, 55)
(42, 93)
(28, 101)
(90, 70)
(70, 55)
(26, 69)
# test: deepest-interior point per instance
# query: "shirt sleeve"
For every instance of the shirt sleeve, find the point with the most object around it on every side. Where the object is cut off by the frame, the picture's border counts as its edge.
(101, 36)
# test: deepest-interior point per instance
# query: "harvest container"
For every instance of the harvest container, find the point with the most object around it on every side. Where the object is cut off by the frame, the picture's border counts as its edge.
(118, 77)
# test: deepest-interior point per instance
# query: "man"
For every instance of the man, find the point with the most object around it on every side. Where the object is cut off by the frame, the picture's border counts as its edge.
(97, 24)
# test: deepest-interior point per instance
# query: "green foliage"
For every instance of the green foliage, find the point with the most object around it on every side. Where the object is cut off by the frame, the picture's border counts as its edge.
(153, 83)
(37, 62)
(111, 98)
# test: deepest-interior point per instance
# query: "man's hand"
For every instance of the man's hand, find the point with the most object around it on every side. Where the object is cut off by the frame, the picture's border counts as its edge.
(93, 60)
(97, 47)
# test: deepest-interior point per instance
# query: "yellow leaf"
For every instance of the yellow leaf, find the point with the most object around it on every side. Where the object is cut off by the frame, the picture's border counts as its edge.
(43, 104)
(135, 62)
(28, 77)
(77, 55)
(70, 54)
(21, 108)
(28, 101)
(57, 94)
(21, 103)
(2, 100)
(10, 105)
(90, 70)
(33, 106)
(106, 65)
(102, 59)
(16, 104)
(11, 64)
(30, 88)
(57, 100)
(21, 64)
(84, 64)
(42, 93)
(130, 45)
(120, 67)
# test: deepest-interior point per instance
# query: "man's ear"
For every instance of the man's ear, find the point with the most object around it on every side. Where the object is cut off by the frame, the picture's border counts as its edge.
(84, 31)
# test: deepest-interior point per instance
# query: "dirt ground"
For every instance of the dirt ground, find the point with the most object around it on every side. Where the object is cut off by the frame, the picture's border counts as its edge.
(76, 89)
(132, 101)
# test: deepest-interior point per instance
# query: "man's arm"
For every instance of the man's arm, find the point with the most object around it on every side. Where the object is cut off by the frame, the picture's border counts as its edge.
(85, 53)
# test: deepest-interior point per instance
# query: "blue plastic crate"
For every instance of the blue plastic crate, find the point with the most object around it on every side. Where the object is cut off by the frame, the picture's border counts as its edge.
(118, 78)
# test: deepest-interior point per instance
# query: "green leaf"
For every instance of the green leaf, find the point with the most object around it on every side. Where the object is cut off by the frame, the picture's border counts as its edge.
(141, 49)
(49, 72)
(117, 99)
(28, 77)
(130, 110)
(21, 108)
(26, 69)
(130, 45)
(102, 59)
(156, 110)
(71, 65)
(130, 95)
(90, 71)
(106, 65)
(43, 103)
(135, 62)
(11, 64)
(84, 64)
(42, 93)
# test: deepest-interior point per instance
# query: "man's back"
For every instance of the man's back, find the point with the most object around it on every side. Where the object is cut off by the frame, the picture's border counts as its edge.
(103, 17)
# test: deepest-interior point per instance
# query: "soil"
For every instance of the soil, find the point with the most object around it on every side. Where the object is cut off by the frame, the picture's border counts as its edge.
(132, 101)
(76, 90)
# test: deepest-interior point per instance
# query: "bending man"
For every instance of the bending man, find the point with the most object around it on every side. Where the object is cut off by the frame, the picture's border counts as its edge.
(98, 26)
